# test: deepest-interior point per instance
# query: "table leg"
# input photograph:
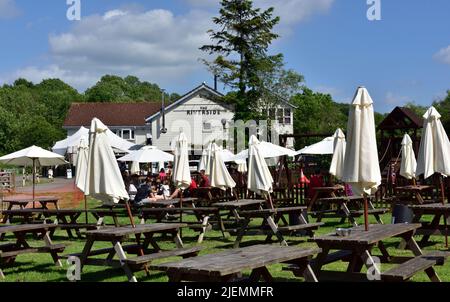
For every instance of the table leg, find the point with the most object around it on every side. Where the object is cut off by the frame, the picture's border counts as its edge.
(86, 251)
(203, 230)
(177, 239)
(54, 254)
(263, 272)
(433, 225)
(122, 257)
(275, 230)
(320, 259)
(241, 232)
(348, 214)
(370, 263)
(305, 270)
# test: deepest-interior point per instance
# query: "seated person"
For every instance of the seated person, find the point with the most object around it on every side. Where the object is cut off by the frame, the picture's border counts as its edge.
(146, 194)
(204, 181)
(165, 189)
(186, 193)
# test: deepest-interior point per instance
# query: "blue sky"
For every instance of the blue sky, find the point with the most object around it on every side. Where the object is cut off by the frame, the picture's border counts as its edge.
(404, 57)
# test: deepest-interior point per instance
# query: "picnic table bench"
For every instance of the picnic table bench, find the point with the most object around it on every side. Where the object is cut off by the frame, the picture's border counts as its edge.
(203, 215)
(324, 192)
(65, 219)
(347, 207)
(228, 265)
(23, 202)
(9, 251)
(271, 217)
(412, 191)
(119, 235)
(438, 211)
(233, 208)
(356, 249)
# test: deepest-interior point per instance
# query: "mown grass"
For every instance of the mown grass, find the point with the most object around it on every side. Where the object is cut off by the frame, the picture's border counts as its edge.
(40, 267)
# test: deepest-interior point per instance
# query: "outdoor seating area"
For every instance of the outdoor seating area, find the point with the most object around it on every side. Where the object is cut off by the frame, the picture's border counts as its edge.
(200, 225)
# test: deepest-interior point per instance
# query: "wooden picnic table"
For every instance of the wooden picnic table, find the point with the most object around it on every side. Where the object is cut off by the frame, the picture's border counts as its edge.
(228, 265)
(171, 202)
(271, 218)
(23, 202)
(412, 190)
(324, 192)
(203, 215)
(66, 219)
(9, 251)
(118, 235)
(234, 207)
(437, 210)
(347, 207)
(357, 250)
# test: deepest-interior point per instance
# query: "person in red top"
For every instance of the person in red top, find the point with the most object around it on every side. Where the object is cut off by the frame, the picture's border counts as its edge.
(204, 181)
(186, 193)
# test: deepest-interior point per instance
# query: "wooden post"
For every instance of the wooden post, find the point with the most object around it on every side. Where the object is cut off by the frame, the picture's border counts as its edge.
(366, 213)
(441, 181)
(34, 181)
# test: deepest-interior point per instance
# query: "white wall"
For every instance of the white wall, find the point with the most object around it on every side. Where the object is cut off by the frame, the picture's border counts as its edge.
(190, 117)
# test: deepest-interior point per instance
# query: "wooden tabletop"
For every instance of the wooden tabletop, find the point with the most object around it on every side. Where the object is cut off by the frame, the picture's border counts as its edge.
(238, 204)
(326, 189)
(30, 199)
(274, 211)
(431, 207)
(376, 233)
(170, 202)
(139, 229)
(417, 188)
(343, 198)
(57, 211)
(25, 228)
(236, 260)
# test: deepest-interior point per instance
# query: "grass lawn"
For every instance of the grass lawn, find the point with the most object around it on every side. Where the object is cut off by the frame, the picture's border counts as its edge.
(39, 267)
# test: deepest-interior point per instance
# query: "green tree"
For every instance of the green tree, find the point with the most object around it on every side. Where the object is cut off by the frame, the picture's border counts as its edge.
(316, 113)
(115, 89)
(443, 106)
(241, 48)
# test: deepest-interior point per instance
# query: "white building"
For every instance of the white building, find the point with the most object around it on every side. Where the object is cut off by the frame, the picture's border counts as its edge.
(200, 114)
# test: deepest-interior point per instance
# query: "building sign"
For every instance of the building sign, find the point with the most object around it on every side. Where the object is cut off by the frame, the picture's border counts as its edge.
(204, 111)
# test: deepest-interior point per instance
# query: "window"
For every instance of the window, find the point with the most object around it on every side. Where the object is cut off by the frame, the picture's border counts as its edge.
(287, 116)
(280, 116)
(207, 127)
(127, 134)
(272, 113)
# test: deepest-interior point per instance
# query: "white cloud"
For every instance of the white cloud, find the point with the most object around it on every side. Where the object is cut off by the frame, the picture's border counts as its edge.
(290, 11)
(8, 9)
(443, 55)
(394, 99)
(155, 45)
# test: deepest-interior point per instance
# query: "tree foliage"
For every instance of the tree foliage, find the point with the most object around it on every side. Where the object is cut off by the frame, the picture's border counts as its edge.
(443, 106)
(115, 89)
(33, 114)
(241, 45)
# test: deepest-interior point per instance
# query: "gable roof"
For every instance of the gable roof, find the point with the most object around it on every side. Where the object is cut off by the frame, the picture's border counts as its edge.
(185, 98)
(111, 114)
(401, 118)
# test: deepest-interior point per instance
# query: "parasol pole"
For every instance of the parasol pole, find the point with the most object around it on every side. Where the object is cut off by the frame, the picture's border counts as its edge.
(441, 182)
(85, 208)
(181, 212)
(34, 180)
(366, 213)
